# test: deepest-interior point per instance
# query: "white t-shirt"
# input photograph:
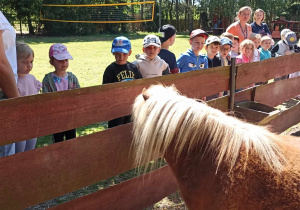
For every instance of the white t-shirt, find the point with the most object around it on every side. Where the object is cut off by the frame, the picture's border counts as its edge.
(9, 38)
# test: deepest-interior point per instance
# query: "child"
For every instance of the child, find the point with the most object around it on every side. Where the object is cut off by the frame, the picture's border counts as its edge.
(149, 64)
(168, 34)
(264, 52)
(255, 38)
(247, 48)
(60, 80)
(247, 51)
(27, 85)
(212, 47)
(282, 47)
(225, 48)
(258, 26)
(120, 70)
(235, 47)
(192, 59)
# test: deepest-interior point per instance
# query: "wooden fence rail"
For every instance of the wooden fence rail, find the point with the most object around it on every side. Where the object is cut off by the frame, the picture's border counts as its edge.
(38, 175)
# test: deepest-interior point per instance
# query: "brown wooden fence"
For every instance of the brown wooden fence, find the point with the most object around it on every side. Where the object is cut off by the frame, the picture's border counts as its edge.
(41, 174)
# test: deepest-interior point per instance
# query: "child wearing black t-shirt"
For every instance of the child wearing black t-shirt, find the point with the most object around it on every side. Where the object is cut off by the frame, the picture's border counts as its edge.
(120, 71)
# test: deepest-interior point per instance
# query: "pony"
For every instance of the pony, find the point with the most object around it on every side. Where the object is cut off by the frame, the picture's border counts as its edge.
(219, 161)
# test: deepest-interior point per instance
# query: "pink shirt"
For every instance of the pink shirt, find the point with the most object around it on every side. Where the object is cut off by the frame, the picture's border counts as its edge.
(61, 83)
(242, 59)
(28, 85)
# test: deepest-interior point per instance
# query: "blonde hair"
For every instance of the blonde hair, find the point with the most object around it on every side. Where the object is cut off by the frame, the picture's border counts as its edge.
(245, 43)
(228, 35)
(264, 38)
(23, 50)
(242, 10)
(254, 36)
(257, 11)
(163, 119)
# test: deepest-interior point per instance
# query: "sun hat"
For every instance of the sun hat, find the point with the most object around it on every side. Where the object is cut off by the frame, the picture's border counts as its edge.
(121, 44)
(151, 40)
(166, 31)
(291, 38)
(59, 52)
(198, 32)
(213, 39)
(284, 31)
(225, 41)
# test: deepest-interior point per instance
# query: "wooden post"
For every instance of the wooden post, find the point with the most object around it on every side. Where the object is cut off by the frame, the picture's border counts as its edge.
(232, 84)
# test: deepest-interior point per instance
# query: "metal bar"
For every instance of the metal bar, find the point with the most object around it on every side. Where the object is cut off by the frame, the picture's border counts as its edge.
(232, 84)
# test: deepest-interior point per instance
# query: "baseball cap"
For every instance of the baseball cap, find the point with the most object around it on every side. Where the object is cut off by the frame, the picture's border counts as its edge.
(225, 41)
(151, 40)
(213, 39)
(166, 31)
(291, 38)
(198, 32)
(284, 31)
(59, 52)
(121, 44)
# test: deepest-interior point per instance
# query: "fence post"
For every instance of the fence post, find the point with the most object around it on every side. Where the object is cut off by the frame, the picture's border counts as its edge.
(232, 84)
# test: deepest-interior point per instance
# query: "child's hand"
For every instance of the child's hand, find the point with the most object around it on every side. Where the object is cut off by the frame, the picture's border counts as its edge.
(288, 53)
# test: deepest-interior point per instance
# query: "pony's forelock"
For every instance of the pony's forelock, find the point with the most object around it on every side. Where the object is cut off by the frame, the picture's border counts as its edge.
(167, 117)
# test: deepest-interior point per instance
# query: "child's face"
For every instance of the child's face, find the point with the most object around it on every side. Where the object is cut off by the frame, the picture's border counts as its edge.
(266, 44)
(151, 51)
(60, 65)
(121, 58)
(25, 65)
(256, 42)
(248, 50)
(259, 16)
(236, 46)
(212, 49)
(224, 50)
(197, 43)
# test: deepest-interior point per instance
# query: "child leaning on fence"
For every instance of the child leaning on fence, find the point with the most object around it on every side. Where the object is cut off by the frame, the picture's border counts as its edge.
(120, 71)
(192, 59)
(27, 85)
(60, 80)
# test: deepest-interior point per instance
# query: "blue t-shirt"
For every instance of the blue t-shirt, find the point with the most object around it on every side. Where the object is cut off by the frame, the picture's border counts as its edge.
(262, 29)
(170, 59)
(188, 61)
(264, 54)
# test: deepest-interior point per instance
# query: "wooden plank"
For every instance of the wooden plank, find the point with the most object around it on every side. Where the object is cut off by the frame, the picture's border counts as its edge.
(137, 193)
(47, 113)
(38, 175)
(263, 71)
(220, 103)
(286, 119)
(278, 92)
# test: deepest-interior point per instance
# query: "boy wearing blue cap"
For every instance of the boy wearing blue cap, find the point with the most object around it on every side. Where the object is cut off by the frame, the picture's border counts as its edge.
(120, 70)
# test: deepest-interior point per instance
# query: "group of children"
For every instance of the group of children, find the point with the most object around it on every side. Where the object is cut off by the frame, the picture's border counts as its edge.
(156, 60)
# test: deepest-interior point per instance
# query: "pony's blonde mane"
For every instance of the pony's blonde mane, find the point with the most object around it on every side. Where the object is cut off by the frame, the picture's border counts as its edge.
(165, 117)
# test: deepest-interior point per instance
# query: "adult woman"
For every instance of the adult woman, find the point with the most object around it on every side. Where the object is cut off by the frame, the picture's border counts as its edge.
(241, 28)
(258, 26)
(8, 70)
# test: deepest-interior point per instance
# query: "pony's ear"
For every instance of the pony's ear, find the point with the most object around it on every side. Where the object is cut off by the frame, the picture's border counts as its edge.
(145, 94)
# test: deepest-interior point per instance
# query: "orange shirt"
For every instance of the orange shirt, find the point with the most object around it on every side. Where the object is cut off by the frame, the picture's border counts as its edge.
(236, 30)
